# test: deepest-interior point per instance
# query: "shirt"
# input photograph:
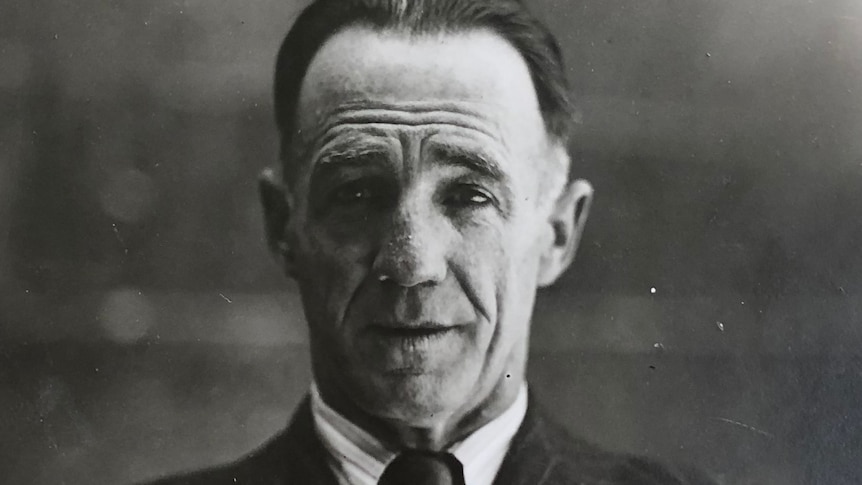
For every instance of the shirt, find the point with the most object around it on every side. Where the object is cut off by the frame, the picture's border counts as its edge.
(358, 458)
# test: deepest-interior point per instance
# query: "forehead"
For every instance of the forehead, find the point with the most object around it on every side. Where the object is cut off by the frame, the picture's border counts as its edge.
(475, 77)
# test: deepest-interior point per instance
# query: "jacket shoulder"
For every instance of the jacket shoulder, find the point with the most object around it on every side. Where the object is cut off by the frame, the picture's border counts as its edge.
(544, 452)
(294, 456)
(256, 468)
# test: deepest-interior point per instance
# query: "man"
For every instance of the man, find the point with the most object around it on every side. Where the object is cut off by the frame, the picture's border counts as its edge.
(423, 199)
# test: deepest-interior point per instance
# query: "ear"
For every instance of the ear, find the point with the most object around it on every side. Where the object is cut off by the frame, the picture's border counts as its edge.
(276, 214)
(567, 220)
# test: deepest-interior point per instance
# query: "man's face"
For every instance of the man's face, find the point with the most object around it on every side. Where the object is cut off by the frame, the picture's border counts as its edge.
(420, 212)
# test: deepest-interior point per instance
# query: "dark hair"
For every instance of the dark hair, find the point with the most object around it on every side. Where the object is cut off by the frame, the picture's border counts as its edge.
(508, 18)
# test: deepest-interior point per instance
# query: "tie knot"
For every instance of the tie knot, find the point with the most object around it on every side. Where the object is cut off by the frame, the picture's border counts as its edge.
(414, 467)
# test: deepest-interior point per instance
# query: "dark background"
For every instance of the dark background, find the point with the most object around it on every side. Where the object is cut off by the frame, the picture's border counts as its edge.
(145, 329)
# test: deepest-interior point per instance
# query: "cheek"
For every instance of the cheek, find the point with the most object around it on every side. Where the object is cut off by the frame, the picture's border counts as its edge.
(328, 272)
(520, 251)
(500, 263)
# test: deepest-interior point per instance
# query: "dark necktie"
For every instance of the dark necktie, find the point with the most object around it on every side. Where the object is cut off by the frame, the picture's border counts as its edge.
(423, 468)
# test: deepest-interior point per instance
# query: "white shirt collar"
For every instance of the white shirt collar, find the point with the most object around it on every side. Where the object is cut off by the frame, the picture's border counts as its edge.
(358, 458)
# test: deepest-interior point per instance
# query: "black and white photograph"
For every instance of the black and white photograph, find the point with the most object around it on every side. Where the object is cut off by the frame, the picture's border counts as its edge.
(431, 242)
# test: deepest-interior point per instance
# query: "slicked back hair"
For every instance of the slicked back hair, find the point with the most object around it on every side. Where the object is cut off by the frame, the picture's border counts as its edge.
(508, 18)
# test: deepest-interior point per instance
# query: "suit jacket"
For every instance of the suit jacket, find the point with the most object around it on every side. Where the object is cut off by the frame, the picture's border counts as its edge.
(542, 453)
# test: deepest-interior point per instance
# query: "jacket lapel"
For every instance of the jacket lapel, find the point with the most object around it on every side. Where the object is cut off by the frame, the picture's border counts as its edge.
(298, 453)
(531, 457)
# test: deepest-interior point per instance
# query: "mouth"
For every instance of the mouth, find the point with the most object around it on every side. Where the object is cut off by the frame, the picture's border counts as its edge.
(412, 348)
(410, 332)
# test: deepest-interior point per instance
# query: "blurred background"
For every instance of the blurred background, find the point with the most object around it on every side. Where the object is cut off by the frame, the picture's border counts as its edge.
(713, 315)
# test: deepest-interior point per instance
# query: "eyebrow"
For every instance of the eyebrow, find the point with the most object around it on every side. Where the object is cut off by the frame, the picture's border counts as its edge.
(351, 153)
(460, 156)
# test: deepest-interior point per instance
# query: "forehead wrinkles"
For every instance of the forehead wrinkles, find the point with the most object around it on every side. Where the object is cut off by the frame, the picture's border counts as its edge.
(473, 79)
(379, 118)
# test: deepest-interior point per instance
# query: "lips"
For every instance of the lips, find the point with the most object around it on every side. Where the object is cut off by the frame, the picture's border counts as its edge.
(411, 348)
(406, 331)
(399, 327)
(411, 331)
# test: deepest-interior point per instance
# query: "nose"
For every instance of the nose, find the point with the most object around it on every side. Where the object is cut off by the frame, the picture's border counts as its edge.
(413, 248)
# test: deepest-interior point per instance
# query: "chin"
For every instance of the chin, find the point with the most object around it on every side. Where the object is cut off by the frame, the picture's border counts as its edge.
(418, 399)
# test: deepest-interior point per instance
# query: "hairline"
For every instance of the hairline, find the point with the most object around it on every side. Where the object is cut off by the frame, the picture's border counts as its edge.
(535, 45)
(409, 33)
(293, 150)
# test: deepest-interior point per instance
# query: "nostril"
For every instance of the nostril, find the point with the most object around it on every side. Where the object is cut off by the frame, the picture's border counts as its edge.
(412, 252)
(409, 264)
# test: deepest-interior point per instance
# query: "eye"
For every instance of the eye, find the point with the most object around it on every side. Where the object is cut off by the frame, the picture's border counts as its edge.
(468, 196)
(353, 193)
(365, 193)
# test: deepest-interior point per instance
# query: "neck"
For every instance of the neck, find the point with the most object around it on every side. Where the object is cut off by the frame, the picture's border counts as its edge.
(438, 435)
